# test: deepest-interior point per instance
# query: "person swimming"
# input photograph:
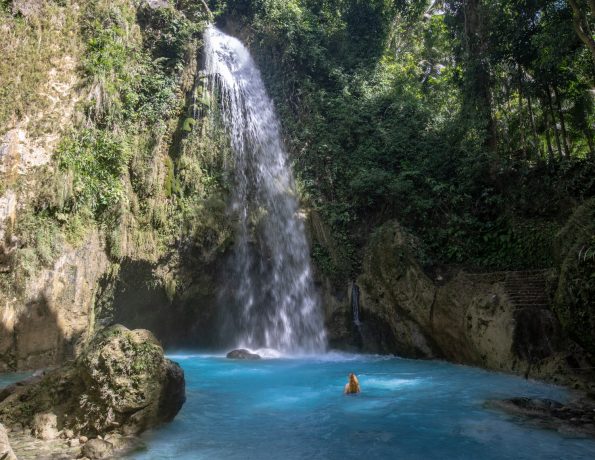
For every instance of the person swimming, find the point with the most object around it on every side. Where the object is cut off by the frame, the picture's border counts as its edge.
(352, 387)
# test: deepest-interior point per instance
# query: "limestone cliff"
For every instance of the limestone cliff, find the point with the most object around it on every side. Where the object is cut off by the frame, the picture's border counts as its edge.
(107, 164)
(501, 321)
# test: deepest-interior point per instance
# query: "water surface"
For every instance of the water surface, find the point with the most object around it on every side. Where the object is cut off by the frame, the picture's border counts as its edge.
(294, 409)
(9, 379)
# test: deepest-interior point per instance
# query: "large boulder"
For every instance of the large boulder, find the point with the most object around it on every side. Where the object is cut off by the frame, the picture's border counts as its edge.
(121, 383)
(98, 448)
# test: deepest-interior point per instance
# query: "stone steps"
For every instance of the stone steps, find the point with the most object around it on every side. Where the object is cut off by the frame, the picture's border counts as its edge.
(528, 301)
(525, 289)
(540, 306)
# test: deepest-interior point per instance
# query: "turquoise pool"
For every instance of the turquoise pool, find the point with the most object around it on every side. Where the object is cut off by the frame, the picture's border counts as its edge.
(294, 409)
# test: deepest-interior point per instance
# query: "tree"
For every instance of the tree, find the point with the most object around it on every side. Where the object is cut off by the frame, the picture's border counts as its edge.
(581, 24)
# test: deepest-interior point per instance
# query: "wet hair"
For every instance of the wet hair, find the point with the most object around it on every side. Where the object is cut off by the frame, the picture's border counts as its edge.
(353, 385)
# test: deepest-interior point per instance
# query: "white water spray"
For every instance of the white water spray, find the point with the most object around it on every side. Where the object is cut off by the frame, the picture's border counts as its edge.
(271, 285)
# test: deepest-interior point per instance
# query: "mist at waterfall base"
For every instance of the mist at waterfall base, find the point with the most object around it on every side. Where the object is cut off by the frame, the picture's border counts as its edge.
(269, 298)
(408, 409)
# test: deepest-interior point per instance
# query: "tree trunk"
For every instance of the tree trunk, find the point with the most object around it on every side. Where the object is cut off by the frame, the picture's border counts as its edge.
(562, 123)
(548, 139)
(589, 136)
(581, 25)
(556, 134)
(533, 127)
(521, 117)
(477, 71)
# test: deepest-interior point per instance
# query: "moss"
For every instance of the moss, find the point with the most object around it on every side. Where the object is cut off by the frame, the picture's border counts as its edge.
(169, 177)
(188, 125)
(29, 49)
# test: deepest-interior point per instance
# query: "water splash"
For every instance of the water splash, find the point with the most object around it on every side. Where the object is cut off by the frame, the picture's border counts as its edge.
(271, 291)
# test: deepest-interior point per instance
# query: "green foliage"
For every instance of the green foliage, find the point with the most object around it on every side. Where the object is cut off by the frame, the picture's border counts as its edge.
(384, 109)
(575, 296)
(169, 177)
(41, 241)
(131, 83)
(98, 161)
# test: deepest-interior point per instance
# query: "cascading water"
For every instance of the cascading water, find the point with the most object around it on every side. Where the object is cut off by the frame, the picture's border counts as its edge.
(270, 284)
(355, 304)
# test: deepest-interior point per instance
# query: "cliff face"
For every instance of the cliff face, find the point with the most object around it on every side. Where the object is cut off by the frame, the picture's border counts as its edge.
(113, 191)
(57, 315)
(501, 321)
(109, 200)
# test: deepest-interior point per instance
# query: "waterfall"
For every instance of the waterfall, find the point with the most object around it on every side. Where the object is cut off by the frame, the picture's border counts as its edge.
(270, 292)
(355, 304)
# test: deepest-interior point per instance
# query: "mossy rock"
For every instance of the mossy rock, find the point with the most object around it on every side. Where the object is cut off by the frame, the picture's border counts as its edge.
(121, 383)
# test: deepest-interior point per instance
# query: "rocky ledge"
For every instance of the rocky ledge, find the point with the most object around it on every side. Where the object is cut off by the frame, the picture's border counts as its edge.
(95, 406)
(576, 418)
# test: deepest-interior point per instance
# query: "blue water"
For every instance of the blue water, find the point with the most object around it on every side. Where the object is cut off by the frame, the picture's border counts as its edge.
(9, 379)
(294, 409)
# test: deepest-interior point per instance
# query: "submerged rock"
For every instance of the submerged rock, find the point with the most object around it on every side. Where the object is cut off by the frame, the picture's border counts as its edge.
(577, 418)
(242, 354)
(121, 383)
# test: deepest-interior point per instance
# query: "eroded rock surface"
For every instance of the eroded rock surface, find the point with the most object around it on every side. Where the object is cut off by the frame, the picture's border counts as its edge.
(45, 426)
(121, 383)
(6, 452)
(397, 296)
(56, 321)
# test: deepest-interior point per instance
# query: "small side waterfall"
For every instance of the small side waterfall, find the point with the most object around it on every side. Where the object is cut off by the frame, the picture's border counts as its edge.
(271, 296)
(355, 304)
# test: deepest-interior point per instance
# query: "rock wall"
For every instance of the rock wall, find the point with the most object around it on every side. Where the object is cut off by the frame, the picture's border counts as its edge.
(499, 321)
(43, 318)
(57, 316)
(150, 259)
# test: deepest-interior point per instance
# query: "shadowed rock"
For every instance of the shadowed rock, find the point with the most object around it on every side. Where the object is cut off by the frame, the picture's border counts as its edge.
(577, 418)
(242, 354)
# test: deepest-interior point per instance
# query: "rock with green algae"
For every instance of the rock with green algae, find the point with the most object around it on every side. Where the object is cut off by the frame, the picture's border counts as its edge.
(121, 383)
